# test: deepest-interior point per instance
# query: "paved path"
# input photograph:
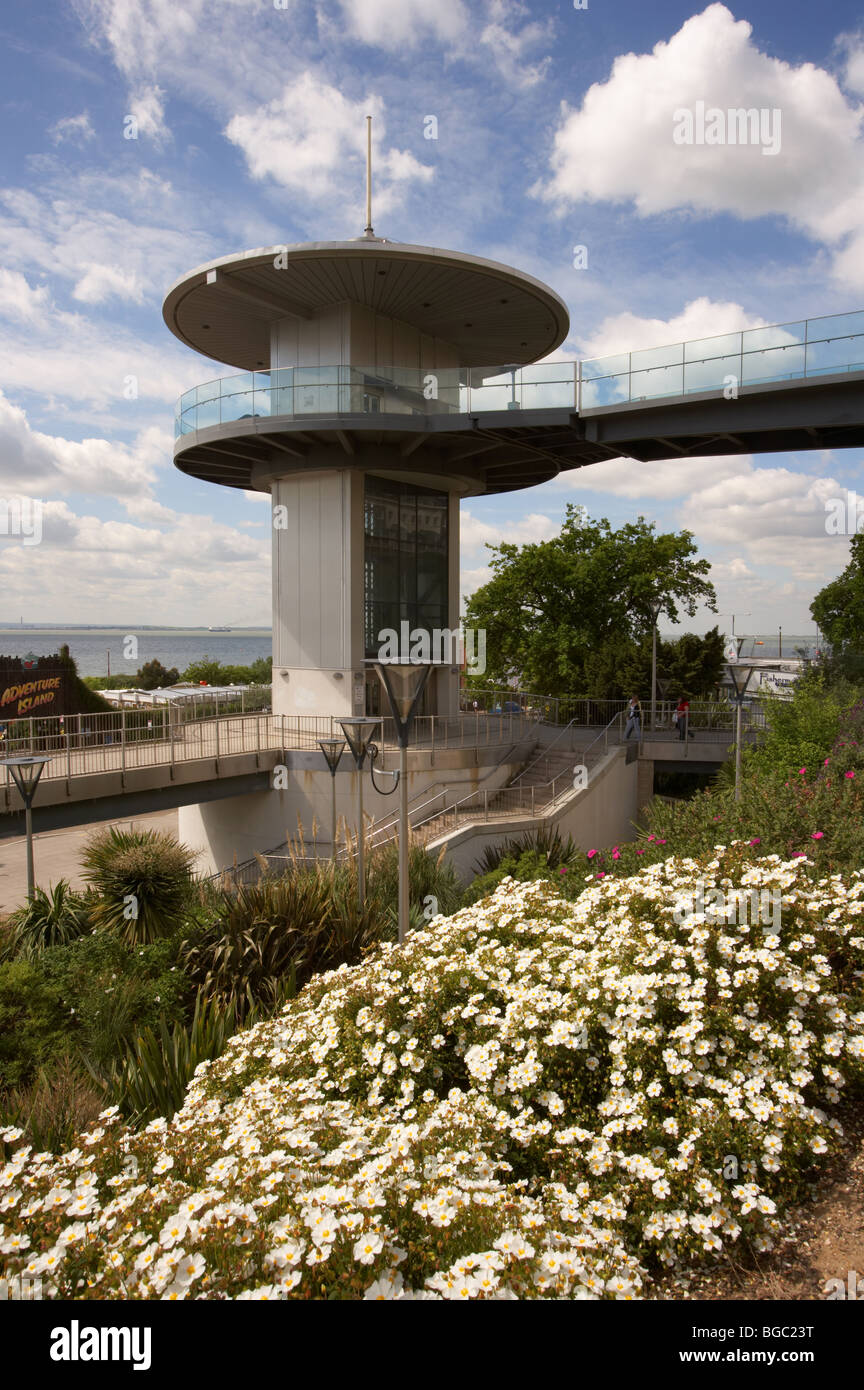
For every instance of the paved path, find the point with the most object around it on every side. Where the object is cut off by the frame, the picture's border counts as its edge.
(57, 854)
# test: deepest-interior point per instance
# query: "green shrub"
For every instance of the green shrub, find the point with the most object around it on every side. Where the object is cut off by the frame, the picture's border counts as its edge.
(114, 990)
(152, 1078)
(34, 1023)
(544, 841)
(524, 867)
(55, 1108)
(50, 919)
(269, 938)
(434, 886)
(143, 879)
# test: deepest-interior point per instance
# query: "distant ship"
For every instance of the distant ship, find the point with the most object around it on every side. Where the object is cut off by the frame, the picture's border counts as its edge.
(218, 629)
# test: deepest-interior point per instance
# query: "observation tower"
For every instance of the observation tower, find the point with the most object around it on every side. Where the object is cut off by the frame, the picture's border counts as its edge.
(363, 368)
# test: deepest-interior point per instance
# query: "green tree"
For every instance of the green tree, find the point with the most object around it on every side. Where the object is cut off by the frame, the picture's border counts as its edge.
(206, 668)
(838, 610)
(692, 665)
(154, 676)
(565, 615)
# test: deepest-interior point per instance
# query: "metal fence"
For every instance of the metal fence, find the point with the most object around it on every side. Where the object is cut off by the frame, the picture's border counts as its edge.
(86, 744)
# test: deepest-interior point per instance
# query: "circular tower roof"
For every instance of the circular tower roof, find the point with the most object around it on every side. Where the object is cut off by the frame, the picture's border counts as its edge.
(490, 313)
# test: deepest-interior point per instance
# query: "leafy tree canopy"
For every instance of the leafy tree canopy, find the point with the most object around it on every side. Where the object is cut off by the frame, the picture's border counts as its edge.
(838, 610)
(571, 615)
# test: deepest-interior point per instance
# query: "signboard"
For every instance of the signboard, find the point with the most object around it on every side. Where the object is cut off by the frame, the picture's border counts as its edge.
(44, 685)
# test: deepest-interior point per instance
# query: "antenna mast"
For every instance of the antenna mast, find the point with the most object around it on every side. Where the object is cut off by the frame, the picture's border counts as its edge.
(369, 232)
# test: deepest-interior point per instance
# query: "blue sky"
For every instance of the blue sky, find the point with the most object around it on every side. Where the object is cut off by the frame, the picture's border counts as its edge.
(553, 130)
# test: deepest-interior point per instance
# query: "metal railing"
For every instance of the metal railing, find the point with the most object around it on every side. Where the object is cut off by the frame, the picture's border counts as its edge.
(289, 392)
(804, 350)
(754, 357)
(87, 744)
(533, 800)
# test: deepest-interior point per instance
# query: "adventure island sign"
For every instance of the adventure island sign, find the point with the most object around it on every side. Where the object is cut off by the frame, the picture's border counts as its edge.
(37, 685)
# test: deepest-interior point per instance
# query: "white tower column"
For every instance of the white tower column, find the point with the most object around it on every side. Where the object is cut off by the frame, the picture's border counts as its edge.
(318, 593)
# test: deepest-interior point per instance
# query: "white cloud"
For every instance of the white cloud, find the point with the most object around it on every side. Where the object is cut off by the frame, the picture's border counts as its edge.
(474, 534)
(101, 282)
(853, 74)
(762, 511)
(471, 580)
(312, 138)
(147, 111)
(76, 130)
(50, 464)
(700, 318)
(114, 568)
(398, 24)
(669, 480)
(509, 48)
(618, 146)
(69, 228)
(19, 300)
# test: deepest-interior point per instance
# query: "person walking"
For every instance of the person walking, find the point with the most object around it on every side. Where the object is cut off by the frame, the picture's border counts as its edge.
(682, 718)
(634, 718)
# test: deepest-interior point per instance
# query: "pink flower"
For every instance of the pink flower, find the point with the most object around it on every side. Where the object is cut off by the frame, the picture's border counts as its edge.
(817, 835)
(661, 842)
(562, 870)
(591, 853)
(640, 851)
(650, 837)
(801, 771)
(601, 875)
(848, 774)
(799, 854)
(757, 841)
(615, 854)
(826, 762)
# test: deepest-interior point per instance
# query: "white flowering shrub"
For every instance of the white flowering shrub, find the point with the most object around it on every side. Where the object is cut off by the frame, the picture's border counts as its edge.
(533, 1098)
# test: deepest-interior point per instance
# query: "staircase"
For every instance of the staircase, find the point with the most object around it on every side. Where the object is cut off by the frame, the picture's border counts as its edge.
(532, 792)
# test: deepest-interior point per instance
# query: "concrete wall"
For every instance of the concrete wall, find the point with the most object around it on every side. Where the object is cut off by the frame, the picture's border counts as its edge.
(315, 592)
(354, 334)
(240, 826)
(602, 814)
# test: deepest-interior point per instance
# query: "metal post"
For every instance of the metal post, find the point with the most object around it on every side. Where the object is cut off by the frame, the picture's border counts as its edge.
(28, 826)
(738, 753)
(654, 675)
(361, 880)
(333, 813)
(403, 842)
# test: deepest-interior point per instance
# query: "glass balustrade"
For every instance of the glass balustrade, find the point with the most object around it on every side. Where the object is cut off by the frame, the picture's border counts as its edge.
(757, 356)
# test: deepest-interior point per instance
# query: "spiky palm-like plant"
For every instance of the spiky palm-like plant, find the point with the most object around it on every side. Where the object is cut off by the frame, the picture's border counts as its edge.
(143, 882)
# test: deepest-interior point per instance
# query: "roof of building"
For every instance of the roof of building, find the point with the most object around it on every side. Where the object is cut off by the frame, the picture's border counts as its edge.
(491, 313)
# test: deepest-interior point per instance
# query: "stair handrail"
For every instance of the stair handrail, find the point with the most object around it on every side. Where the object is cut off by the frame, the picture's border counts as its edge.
(604, 734)
(437, 789)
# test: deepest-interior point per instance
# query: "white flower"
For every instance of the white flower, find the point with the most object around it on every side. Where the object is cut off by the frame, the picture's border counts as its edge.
(367, 1247)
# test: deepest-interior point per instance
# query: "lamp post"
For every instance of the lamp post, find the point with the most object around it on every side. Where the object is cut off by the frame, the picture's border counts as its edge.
(332, 748)
(26, 772)
(740, 673)
(358, 732)
(655, 611)
(403, 684)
